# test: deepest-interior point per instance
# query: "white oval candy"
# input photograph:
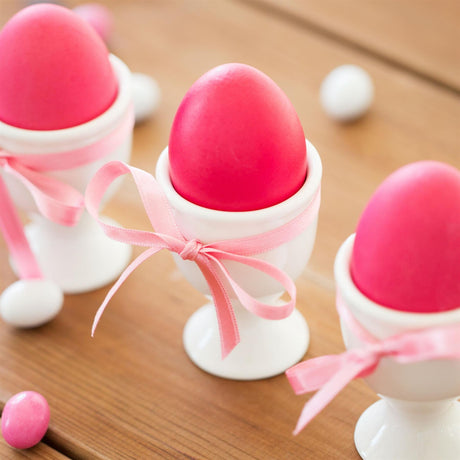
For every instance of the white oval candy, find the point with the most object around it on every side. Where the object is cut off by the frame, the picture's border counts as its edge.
(30, 303)
(347, 92)
(146, 96)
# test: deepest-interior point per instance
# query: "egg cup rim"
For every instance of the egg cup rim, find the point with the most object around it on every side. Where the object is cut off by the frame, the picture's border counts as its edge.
(356, 300)
(294, 203)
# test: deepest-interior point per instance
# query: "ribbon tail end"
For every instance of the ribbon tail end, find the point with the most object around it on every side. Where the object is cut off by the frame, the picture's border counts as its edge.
(305, 418)
(227, 348)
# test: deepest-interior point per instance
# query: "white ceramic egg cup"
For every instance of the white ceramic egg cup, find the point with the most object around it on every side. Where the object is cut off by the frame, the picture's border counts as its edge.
(418, 415)
(79, 258)
(267, 347)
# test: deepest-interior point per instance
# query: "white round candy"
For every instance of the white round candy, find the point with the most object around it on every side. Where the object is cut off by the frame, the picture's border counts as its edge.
(146, 96)
(30, 303)
(347, 92)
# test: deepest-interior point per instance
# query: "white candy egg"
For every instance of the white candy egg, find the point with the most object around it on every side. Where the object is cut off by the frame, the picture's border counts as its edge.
(347, 92)
(146, 96)
(30, 303)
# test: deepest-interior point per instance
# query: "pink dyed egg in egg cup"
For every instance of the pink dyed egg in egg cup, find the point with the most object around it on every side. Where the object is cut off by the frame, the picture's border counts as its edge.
(401, 273)
(267, 347)
(61, 95)
(79, 258)
(418, 415)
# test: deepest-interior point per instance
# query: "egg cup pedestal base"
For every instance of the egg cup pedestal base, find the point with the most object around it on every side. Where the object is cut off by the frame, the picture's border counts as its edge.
(267, 347)
(80, 258)
(395, 429)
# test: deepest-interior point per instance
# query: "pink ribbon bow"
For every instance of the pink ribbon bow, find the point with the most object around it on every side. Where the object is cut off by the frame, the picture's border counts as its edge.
(330, 374)
(55, 200)
(208, 257)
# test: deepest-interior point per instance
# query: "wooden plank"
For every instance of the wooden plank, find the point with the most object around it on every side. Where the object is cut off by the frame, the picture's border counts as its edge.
(40, 451)
(419, 35)
(131, 392)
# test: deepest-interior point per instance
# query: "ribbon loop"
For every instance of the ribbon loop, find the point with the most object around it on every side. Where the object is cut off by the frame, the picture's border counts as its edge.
(330, 374)
(56, 200)
(208, 257)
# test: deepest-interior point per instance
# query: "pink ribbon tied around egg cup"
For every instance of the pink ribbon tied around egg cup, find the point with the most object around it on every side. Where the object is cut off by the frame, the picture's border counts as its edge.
(55, 200)
(208, 257)
(415, 416)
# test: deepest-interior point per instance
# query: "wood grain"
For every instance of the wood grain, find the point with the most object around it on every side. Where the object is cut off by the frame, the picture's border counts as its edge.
(131, 392)
(420, 36)
(39, 452)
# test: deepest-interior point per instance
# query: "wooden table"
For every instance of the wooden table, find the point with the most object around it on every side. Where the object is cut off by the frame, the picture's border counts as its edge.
(131, 392)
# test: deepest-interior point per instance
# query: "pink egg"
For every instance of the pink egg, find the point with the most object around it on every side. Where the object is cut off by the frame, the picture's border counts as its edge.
(25, 419)
(98, 16)
(54, 70)
(236, 143)
(406, 254)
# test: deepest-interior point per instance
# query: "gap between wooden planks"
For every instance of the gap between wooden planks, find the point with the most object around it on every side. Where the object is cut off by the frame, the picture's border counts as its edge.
(419, 37)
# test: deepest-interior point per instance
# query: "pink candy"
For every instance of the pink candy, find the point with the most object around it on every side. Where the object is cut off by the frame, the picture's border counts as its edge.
(25, 419)
(236, 143)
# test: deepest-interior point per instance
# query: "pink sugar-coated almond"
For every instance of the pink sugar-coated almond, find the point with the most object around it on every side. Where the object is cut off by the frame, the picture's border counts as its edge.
(406, 254)
(55, 71)
(236, 143)
(25, 419)
(98, 16)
